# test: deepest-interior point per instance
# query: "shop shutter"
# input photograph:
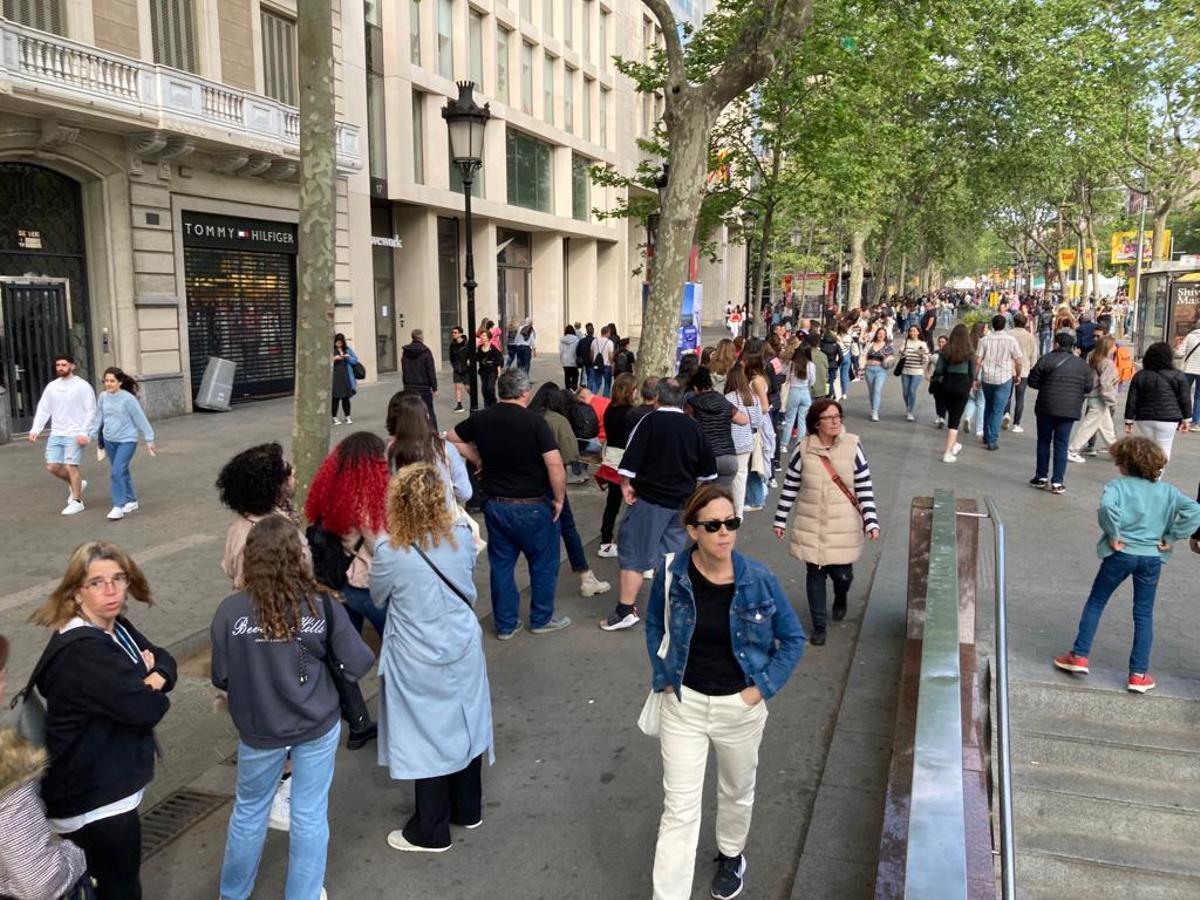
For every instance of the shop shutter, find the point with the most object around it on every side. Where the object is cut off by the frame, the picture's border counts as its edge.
(279, 57)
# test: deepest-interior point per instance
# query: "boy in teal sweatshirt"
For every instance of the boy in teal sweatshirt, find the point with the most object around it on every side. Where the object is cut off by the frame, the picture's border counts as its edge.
(1140, 518)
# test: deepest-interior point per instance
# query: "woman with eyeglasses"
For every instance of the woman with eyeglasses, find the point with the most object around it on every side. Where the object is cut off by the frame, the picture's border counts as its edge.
(829, 482)
(105, 687)
(732, 641)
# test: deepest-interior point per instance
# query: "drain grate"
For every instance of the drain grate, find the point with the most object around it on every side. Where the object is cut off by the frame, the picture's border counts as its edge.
(175, 815)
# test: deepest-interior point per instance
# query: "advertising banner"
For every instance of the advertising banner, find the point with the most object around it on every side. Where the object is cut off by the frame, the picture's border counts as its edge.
(1124, 246)
(1066, 258)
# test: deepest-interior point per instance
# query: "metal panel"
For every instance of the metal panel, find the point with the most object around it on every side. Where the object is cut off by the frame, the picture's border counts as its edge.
(34, 328)
(1008, 850)
(937, 854)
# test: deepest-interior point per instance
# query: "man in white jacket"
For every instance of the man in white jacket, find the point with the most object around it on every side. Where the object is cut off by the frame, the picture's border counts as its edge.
(67, 403)
(1188, 354)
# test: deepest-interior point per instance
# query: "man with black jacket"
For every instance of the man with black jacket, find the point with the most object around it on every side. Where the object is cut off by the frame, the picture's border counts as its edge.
(460, 364)
(419, 372)
(1062, 381)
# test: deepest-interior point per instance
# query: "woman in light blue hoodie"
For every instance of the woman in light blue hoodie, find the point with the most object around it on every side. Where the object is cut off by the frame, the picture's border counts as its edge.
(119, 417)
(1140, 517)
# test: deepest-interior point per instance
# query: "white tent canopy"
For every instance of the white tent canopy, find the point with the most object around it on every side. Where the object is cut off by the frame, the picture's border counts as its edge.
(962, 284)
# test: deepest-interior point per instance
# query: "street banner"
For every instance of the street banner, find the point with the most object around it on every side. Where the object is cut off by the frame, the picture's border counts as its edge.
(1124, 246)
(1088, 262)
(1066, 258)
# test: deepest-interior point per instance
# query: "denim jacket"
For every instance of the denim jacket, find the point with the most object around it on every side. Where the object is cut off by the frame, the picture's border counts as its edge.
(767, 636)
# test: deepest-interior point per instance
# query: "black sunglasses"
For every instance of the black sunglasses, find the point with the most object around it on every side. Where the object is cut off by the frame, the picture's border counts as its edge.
(712, 526)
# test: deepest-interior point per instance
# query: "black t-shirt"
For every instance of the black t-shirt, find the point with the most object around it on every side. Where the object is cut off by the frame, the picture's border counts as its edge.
(665, 456)
(632, 417)
(616, 425)
(511, 441)
(712, 668)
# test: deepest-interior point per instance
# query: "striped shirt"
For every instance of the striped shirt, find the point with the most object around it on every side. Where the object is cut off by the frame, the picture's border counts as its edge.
(864, 490)
(997, 352)
(914, 354)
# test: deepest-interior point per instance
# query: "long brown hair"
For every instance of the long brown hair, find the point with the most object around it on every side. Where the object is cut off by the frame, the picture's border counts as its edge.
(1100, 353)
(958, 345)
(61, 607)
(723, 357)
(801, 357)
(624, 390)
(736, 382)
(417, 512)
(413, 436)
(277, 573)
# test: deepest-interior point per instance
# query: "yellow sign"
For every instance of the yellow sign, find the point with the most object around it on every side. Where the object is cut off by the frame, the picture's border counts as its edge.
(1066, 258)
(1124, 246)
(1088, 262)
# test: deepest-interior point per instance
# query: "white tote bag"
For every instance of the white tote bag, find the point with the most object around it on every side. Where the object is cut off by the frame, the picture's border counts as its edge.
(650, 718)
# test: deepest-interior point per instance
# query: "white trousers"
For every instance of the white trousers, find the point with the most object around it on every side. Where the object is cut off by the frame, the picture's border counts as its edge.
(689, 725)
(1097, 417)
(1162, 433)
(738, 487)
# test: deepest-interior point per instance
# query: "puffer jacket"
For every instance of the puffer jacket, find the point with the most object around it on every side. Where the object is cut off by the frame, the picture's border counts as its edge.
(1158, 396)
(1062, 380)
(35, 863)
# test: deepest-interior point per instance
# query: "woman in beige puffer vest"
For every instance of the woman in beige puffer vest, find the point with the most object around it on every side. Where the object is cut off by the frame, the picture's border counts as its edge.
(829, 482)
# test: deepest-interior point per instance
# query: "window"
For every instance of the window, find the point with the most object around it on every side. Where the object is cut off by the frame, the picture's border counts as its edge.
(172, 28)
(604, 40)
(418, 133)
(529, 179)
(548, 90)
(589, 85)
(581, 186)
(376, 130)
(527, 10)
(647, 40)
(502, 64)
(279, 57)
(585, 26)
(414, 31)
(569, 22)
(527, 78)
(548, 18)
(569, 99)
(44, 15)
(475, 36)
(645, 130)
(445, 43)
(604, 117)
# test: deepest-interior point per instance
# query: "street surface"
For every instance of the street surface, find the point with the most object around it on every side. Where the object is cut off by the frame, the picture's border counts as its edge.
(572, 804)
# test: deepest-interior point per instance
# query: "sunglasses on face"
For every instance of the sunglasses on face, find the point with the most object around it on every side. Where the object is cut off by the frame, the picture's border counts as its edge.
(712, 526)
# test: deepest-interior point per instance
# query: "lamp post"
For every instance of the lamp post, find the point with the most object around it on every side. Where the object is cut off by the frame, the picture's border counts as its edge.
(467, 121)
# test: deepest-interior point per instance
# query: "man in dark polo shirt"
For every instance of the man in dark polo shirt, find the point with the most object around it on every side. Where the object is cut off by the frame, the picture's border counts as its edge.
(664, 458)
(524, 479)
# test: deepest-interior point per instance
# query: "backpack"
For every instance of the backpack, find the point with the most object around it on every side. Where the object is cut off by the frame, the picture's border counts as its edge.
(1124, 362)
(330, 559)
(623, 362)
(598, 362)
(582, 351)
(584, 421)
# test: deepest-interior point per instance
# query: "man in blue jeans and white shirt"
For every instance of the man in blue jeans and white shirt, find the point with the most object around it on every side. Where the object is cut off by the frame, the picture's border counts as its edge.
(67, 404)
(525, 483)
(998, 360)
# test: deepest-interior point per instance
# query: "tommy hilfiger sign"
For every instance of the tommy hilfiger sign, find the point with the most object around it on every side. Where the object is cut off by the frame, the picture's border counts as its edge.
(227, 232)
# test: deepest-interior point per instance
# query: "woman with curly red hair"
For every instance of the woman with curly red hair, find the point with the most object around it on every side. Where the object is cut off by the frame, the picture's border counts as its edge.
(347, 497)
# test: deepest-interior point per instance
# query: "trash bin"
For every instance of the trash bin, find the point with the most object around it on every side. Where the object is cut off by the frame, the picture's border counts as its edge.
(216, 387)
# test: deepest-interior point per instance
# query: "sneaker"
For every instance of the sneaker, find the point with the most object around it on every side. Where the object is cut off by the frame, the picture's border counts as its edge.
(818, 637)
(1058, 488)
(749, 508)
(957, 449)
(1017, 429)
(360, 739)
(73, 507)
(1006, 422)
(458, 407)
(281, 806)
(607, 551)
(1070, 662)
(509, 635)
(117, 512)
(557, 623)
(727, 882)
(472, 826)
(1074, 457)
(1039, 483)
(965, 427)
(648, 574)
(131, 506)
(949, 458)
(874, 417)
(590, 585)
(397, 841)
(992, 447)
(941, 423)
(82, 487)
(1092, 452)
(772, 484)
(349, 421)
(910, 417)
(1140, 682)
(337, 421)
(618, 620)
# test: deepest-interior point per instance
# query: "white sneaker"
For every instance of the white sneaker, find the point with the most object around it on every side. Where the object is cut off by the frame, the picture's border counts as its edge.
(281, 807)
(73, 507)
(131, 506)
(397, 841)
(1006, 421)
(349, 421)
(1074, 457)
(607, 551)
(337, 421)
(956, 449)
(910, 417)
(115, 513)
(1018, 429)
(590, 585)
(82, 488)
(949, 457)
(874, 417)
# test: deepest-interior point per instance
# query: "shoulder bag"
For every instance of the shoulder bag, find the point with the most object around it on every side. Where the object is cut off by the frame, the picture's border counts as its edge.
(837, 480)
(350, 697)
(27, 713)
(650, 718)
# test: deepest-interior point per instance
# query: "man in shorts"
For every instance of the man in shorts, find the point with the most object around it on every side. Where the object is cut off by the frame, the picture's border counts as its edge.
(666, 455)
(67, 403)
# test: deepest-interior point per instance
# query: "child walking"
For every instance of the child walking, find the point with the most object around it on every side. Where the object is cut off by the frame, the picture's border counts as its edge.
(1140, 518)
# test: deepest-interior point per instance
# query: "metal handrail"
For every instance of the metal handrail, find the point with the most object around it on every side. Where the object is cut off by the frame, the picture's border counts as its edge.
(1003, 734)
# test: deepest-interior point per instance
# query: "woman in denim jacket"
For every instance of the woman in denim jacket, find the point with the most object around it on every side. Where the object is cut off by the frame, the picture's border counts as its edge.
(733, 642)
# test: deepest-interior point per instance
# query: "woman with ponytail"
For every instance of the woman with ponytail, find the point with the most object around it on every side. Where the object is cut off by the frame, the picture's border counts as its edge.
(117, 421)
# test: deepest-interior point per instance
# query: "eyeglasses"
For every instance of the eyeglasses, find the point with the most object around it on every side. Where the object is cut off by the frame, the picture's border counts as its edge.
(829, 419)
(119, 580)
(712, 526)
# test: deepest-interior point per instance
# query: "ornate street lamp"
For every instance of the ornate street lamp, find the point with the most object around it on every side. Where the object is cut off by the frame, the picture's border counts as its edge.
(467, 121)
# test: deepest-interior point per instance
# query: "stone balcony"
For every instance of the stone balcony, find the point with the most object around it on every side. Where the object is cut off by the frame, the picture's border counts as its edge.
(157, 105)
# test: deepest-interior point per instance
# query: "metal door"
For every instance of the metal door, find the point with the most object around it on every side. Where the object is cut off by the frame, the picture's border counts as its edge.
(34, 327)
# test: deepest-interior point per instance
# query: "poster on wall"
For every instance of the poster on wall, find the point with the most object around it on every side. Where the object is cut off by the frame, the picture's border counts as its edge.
(1185, 310)
(690, 319)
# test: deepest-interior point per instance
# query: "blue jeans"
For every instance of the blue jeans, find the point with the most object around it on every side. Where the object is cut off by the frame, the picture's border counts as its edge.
(799, 400)
(1194, 380)
(513, 529)
(524, 357)
(844, 373)
(995, 398)
(120, 483)
(876, 379)
(1114, 569)
(600, 381)
(258, 772)
(1045, 340)
(911, 385)
(359, 607)
(1056, 431)
(571, 539)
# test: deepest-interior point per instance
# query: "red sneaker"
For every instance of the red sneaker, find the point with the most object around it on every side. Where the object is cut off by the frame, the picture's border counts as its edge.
(1140, 683)
(1069, 662)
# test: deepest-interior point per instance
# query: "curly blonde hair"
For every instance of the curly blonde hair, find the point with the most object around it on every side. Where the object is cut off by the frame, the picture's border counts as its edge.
(277, 573)
(1140, 457)
(417, 512)
(61, 607)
